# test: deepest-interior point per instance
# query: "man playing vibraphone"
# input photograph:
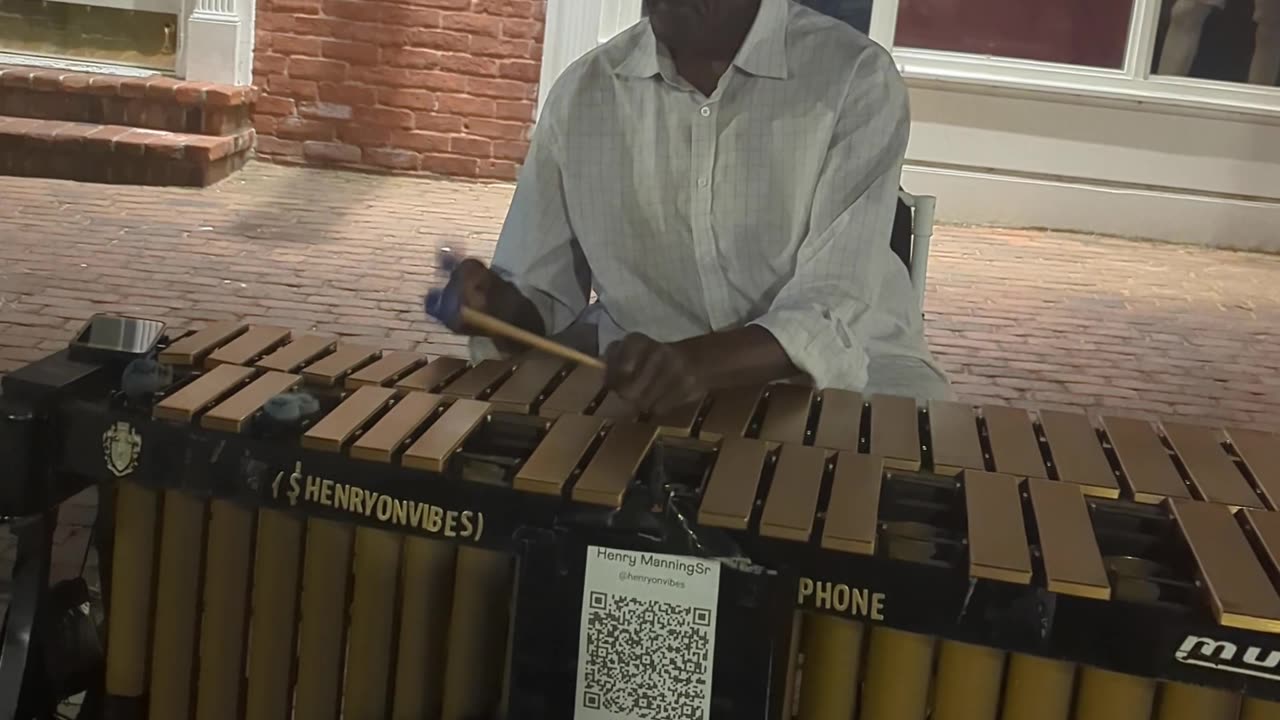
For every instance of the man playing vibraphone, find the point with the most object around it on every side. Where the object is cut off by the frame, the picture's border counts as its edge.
(723, 175)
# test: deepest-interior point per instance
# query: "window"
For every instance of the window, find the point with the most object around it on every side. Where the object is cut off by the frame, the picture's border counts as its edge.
(87, 32)
(1219, 55)
(1072, 32)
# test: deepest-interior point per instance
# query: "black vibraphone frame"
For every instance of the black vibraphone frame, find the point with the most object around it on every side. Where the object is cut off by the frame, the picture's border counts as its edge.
(51, 429)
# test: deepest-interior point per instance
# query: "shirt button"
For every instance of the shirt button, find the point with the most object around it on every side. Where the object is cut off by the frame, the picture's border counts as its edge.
(702, 182)
(706, 111)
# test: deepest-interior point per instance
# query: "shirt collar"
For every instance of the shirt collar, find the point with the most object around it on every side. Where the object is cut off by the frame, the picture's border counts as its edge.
(642, 61)
(763, 52)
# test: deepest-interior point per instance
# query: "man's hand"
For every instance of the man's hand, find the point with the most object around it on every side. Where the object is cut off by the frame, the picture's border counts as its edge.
(655, 377)
(473, 285)
(470, 286)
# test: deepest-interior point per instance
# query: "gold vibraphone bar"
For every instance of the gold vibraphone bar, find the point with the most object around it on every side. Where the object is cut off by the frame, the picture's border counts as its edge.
(220, 610)
(1112, 457)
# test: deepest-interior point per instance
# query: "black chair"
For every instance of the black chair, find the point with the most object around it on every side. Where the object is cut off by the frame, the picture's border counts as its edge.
(912, 236)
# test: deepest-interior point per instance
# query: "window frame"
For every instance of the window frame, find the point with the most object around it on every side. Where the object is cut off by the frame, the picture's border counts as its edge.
(215, 42)
(1132, 84)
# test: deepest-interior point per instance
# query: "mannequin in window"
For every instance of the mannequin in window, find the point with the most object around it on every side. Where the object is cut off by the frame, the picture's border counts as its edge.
(1183, 39)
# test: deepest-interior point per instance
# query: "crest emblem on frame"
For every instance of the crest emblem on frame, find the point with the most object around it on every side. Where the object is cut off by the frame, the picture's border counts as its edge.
(121, 445)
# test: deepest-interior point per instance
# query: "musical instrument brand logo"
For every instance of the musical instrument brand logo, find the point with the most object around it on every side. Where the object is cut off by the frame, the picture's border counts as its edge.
(121, 446)
(1226, 656)
(299, 487)
(840, 598)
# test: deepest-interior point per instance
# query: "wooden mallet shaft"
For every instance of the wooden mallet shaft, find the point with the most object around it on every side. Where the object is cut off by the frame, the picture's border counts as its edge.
(493, 326)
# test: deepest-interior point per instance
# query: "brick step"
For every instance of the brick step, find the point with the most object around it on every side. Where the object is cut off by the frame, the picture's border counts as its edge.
(93, 152)
(156, 102)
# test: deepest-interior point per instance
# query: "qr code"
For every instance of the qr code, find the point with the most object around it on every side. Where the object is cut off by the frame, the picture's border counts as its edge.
(647, 659)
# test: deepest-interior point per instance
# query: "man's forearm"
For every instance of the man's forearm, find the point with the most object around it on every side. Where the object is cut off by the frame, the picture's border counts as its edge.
(747, 356)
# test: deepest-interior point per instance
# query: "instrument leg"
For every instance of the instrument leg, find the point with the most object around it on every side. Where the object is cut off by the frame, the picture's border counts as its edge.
(30, 583)
(132, 570)
(508, 652)
(427, 578)
(477, 634)
(1255, 709)
(1038, 689)
(177, 605)
(1105, 694)
(1190, 702)
(968, 683)
(226, 601)
(896, 683)
(325, 574)
(274, 617)
(790, 699)
(373, 606)
(832, 650)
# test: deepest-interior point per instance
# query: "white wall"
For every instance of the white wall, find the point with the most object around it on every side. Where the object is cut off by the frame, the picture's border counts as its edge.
(1123, 169)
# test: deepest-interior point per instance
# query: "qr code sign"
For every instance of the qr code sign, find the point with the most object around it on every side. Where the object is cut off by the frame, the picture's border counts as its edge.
(645, 656)
(648, 637)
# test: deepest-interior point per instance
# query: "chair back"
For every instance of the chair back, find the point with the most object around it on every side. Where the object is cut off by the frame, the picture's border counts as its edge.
(912, 235)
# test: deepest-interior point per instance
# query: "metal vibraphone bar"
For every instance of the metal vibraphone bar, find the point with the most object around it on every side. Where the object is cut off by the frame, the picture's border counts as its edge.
(392, 550)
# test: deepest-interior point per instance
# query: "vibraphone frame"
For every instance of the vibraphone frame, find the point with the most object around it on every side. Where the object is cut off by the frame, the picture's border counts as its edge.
(225, 463)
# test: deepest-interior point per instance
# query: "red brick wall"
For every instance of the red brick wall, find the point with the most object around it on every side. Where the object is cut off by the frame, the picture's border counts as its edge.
(440, 86)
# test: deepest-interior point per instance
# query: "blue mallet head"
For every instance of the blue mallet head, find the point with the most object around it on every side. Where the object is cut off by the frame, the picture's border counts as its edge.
(442, 305)
(448, 260)
(291, 408)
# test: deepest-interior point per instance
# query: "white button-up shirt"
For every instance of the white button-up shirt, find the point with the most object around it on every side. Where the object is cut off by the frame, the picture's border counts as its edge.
(769, 202)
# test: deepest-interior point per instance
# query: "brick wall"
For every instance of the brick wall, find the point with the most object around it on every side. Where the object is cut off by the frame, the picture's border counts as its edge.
(439, 86)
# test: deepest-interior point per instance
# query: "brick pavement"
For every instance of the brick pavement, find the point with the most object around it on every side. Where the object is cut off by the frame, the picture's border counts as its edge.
(1019, 317)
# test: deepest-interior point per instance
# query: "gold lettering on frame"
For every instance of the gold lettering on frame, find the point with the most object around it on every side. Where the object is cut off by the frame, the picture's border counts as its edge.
(840, 598)
(466, 524)
(806, 589)
(822, 598)
(860, 602)
(313, 489)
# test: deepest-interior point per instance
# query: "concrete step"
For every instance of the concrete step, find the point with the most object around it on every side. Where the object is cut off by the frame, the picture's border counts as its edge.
(96, 152)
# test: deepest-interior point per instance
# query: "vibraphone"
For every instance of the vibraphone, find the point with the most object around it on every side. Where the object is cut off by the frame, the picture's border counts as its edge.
(883, 559)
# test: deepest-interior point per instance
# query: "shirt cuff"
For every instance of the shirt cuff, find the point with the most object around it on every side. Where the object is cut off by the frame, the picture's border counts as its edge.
(820, 346)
